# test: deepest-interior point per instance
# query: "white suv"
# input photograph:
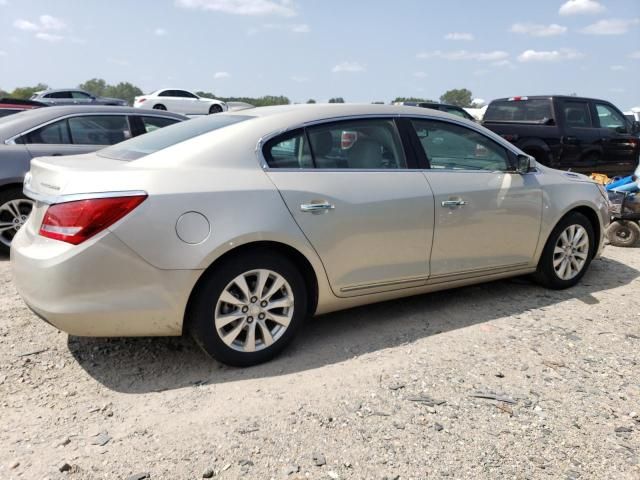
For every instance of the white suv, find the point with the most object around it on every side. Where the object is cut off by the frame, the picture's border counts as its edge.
(180, 101)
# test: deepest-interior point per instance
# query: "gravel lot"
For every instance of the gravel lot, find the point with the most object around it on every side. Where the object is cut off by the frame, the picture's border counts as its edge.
(502, 380)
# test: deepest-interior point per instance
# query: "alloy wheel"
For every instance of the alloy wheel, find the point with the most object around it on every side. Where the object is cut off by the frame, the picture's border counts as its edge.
(13, 215)
(571, 252)
(254, 310)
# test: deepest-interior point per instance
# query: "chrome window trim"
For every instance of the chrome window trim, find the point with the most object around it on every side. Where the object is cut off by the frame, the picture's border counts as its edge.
(12, 140)
(74, 197)
(269, 136)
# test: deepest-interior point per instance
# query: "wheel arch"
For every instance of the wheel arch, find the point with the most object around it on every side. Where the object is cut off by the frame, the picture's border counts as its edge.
(593, 218)
(299, 259)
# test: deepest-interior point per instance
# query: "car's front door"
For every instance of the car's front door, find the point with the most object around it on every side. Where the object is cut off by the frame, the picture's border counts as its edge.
(487, 219)
(580, 145)
(350, 187)
(619, 146)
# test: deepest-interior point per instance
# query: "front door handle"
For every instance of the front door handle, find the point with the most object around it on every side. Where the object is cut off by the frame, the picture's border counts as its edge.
(453, 203)
(316, 207)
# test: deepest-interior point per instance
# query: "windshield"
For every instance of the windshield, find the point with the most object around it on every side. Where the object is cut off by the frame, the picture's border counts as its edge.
(160, 139)
(537, 110)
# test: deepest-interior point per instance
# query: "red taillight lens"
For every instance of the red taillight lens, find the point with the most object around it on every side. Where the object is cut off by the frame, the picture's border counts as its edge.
(140, 100)
(75, 222)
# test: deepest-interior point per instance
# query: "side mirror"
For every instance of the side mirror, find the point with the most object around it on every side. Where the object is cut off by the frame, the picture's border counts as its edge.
(524, 163)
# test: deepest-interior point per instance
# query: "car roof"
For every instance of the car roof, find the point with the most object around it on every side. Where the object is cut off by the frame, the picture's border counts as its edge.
(549, 97)
(27, 119)
(52, 90)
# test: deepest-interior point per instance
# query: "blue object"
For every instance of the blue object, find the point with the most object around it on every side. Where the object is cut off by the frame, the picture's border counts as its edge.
(625, 184)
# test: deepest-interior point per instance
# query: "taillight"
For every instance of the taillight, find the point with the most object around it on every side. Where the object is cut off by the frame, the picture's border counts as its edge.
(140, 100)
(75, 222)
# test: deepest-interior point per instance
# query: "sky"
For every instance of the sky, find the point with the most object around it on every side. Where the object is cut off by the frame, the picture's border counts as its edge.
(361, 50)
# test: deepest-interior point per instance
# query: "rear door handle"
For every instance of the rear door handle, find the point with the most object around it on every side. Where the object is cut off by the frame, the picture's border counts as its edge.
(316, 207)
(453, 203)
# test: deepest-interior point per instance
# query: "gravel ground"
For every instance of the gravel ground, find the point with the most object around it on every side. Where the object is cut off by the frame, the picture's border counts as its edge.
(502, 380)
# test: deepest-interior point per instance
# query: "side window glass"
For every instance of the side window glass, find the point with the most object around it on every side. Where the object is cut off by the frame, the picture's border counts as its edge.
(185, 94)
(454, 111)
(80, 95)
(165, 93)
(288, 151)
(609, 118)
(576, 114)
(99, 129)
(454, 147)
(154, 123)
(55, 133)
(357, 144)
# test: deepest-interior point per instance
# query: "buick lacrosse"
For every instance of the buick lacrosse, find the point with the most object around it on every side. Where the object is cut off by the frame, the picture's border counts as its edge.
(236, 227)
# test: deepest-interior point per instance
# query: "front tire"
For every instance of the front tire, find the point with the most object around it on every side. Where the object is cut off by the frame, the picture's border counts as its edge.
(567, 253)
(248, 309)
(215, 108)
(623, 233)
(14, 211)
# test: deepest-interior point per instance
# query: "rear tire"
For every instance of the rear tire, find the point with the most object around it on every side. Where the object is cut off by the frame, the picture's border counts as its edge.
(623, 233)
(567, 253)
(159, 106)
(248, 309)
(215, 108)
(14, 211)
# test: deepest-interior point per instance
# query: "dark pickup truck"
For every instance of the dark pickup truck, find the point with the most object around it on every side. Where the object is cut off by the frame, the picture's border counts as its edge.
(569, 133)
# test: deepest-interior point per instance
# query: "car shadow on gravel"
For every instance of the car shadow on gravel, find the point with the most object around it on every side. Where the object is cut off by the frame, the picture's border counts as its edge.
(139, 365)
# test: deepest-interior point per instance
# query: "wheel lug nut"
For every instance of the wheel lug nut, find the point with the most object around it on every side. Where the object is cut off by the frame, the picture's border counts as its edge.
(261, 316)
(245, 309)
(249, 319)
(263, 304)
(254, 299)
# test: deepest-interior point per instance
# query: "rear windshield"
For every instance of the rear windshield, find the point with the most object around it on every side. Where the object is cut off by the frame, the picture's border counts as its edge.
(536, 110)
(162, 138)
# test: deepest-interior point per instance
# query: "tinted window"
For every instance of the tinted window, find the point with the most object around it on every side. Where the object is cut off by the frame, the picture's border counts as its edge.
(609, 118)
(576, 114)
(80, 95)
(456, 111)
(537, 110)
(143, 145)
(99, 129)
(154, 123)
(166, 93)
(358, 144)
(58, 95)
(459, 148)
(54, 133)
(184, 94)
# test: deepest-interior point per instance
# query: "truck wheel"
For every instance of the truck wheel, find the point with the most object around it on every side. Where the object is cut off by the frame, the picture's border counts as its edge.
(623, 233)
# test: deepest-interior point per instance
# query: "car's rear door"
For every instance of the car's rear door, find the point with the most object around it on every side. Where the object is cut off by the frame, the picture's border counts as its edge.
(580, 143)
(487, 219)
(354, 192)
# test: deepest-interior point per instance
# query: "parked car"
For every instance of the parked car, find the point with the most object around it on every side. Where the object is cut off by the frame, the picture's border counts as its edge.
(180, 101)
(236, 227)
(570, 133)
(75, 96)
(633, 115)
(443, 107)
(9, 106)
(59, 131)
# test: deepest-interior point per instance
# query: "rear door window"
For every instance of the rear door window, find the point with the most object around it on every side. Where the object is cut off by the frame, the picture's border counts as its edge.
(536, 110)
(154, 123)
(99, 129)
(576, 115)
(453, 147)
(80, 95)
(58, 95)
(56, 133)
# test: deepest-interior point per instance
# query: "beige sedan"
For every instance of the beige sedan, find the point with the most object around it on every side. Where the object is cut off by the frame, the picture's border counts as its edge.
(237, 227)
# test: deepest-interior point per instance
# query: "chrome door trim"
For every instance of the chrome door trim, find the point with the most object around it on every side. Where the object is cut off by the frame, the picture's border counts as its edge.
(365, 286)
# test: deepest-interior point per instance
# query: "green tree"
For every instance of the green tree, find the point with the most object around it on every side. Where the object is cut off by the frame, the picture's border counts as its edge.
(95, 86)
(123, 90)
(411, 99)
(311, 100)
(27, 92)
(3, 93)
(460, 97)
(336, 100)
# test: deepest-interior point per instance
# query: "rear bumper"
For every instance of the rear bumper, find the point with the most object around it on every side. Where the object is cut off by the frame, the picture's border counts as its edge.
(100, 288)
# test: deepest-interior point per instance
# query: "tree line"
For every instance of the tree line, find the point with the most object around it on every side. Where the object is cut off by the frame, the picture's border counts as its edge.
(127, 91)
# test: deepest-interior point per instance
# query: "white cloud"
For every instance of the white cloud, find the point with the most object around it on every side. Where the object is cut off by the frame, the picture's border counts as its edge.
(581, 7)
(420, 75)
(48, 37)
(294, 28)
(501, 63)
(284, 8)
(549, 56)
(459, 36)
(536, 30)
(301, 28)
(351, 67)
(26, 25)
(493, 56)
(618, 68)
(299, 79)
(635, 55)
(221, 75)
(160, 32)
(612, 26)
(51, 23)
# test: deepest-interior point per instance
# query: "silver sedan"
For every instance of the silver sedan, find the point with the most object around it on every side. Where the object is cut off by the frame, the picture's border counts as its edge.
(237, 227)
